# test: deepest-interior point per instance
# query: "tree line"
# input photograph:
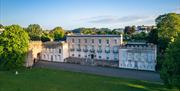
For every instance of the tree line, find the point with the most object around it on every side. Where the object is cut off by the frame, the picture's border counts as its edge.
(35, 33)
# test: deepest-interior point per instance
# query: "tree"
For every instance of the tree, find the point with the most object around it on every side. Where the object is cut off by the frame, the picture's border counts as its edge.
(153, 36)
(78, 30)
(129, 29)
(168, 26)
(100, 32)
(45, 37)
(170, 72)
(88, 31)
(13, 47)
(34, 31)
(140, 36)
(57, 33)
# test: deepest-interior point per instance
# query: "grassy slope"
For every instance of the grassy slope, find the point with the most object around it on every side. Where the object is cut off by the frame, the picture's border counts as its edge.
(56, 80)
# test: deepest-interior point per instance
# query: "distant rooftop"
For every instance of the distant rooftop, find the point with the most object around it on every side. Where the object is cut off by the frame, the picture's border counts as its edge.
(88, 35)
(138, 44)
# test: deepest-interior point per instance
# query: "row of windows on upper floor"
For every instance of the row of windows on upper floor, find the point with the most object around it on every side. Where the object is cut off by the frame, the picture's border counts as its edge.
(92, 41)
(93, 51)
(93, 47)
(51, 50)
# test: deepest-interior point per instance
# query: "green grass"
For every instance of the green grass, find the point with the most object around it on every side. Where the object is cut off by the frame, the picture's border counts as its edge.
(39, 79)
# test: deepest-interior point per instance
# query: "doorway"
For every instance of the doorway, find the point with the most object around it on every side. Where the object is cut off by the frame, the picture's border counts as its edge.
(92, 56)
(51, 57)
(136, 65)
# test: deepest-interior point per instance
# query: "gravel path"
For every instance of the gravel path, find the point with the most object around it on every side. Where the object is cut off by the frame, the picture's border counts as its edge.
(115, 72)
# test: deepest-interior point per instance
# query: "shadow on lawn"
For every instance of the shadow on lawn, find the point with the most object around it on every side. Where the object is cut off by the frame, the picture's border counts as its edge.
(141, 85)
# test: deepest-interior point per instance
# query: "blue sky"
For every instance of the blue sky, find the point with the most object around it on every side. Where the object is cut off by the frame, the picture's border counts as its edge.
(71, 14)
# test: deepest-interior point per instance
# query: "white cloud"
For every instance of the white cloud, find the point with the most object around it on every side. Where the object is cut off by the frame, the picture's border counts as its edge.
(117, 20)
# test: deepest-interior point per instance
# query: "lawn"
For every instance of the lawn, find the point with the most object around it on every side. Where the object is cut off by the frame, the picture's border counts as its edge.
(40, 79)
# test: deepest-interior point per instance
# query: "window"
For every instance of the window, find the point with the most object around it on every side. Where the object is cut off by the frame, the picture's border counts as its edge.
(47, 56)
(107, 48)
(99, 57)
(72, 40)
(115, 41)
(59, 57)
(85, 40)
(100, 41)
(107, 41)
(59, 50)
(92, 46)
(79, 40)
(55, 57)
(79, 46)
(85, 46)
(72, 46)
(79, 55)
(85, 56)
(115, 57)
(100, 47)
(92, 40)
(107, 58)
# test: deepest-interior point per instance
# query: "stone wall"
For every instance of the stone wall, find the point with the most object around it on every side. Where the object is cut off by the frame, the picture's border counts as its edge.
(35, 47)
(93, 62)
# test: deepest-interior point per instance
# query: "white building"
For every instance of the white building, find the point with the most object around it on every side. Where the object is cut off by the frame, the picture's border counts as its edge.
(139, 56)
(145, 29)
(104, 50)
(101, 47)
(54, 51)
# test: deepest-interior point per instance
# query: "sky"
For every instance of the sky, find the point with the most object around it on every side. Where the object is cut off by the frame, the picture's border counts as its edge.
(71, 14)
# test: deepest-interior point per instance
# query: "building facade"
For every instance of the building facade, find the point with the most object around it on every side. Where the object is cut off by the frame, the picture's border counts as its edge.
(54, 51)
(101, 47)
(48, 51)
(100, 50)
(139, 56)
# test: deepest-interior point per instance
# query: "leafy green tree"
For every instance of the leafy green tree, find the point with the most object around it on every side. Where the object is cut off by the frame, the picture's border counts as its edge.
(100, 32)
(57, 33)
(168, 26)
(34, 31)
(1, 50)
(170, 72)
(114, 31)
(153, 36)
(45, 37)
(139, 36)
(13, 47)
(88, 31)
(129, 29)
